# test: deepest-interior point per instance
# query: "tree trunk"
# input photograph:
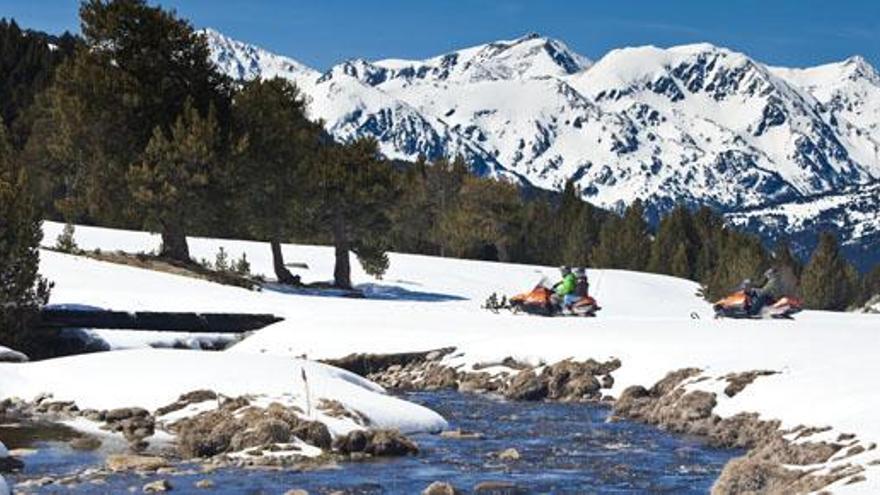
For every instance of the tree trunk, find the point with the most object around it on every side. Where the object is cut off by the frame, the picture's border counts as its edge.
(281, 272)
(174, 244)
(342, 270)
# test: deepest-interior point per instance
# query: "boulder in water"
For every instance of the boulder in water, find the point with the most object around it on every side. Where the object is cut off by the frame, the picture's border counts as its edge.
(440, 488)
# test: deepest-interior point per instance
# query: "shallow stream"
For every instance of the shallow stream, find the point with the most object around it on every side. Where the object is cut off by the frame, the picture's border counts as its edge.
(563, 448)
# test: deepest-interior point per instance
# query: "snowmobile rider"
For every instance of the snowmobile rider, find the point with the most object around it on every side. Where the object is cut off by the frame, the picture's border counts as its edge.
(767, 293)
(565, 286)
(581, 288)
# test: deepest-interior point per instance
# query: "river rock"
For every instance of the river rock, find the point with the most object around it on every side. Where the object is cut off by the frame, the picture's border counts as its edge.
(313, 433)
(56, 406)
(9, 464)
(158, 486)
(496, 487)
(737, 382)
(263, 432)
(125, 413)
(510, 454)
(461, 435)
(296, 491)
(205, 483)
(186, 399)
(206, 434)
(477, 382)
(375, 442)
(526, 386)
(439, 377)
(440, 488)
(87, 442)
(127, 462)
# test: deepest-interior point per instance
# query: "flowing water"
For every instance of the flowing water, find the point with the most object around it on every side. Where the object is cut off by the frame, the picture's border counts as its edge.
(564, 448)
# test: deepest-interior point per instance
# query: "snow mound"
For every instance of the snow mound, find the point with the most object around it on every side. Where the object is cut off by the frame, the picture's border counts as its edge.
(152, 378)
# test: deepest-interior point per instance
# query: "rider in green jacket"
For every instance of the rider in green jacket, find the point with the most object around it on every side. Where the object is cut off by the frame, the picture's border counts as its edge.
(567, 284)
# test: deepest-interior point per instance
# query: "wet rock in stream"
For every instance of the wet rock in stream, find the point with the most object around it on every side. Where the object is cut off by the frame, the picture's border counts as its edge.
(376, 443)
(236, 426)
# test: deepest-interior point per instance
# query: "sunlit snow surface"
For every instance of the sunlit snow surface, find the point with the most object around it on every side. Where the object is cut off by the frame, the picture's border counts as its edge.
(653, 323)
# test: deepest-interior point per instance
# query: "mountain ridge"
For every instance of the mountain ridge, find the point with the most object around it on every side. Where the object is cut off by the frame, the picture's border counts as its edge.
(696, 123)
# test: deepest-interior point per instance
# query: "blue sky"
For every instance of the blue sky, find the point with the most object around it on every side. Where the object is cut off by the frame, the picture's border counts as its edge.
(320, 33)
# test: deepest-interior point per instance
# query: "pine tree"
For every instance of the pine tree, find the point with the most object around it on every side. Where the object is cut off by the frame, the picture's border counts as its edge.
(482, 223)
(826, 281)
(413, 216)
(66, 241)
(582, 233)
(136, 70)
(275, 145)
(711, 234)
(784, 257)
(533, 240)
(444, 181)
(739, 257)
(355, 191)
(624, 243)
(676, 245)
(870, 285)
(28, 60)
(22, 290)
(170, 183)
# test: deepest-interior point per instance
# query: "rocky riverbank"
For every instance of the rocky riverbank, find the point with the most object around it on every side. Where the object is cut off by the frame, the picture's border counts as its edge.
(778, 460)
(201, 431)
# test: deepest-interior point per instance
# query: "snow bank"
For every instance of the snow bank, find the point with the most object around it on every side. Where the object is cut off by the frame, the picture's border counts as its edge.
(11, 355)
(152, 378)
(653, 323)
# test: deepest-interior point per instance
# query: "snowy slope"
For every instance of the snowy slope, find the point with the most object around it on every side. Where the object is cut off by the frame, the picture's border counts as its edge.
(351, 109)
(850, 94)
(852, 214)
(826, 359)
(749, 136)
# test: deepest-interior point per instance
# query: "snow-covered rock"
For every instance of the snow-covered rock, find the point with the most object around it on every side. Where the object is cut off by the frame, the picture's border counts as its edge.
(8, 355)
(873, 305)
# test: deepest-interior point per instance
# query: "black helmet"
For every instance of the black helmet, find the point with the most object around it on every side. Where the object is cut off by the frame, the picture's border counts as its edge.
(565, 269)
(580, 271)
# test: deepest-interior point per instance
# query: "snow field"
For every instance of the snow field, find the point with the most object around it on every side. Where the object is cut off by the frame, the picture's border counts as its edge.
(653, 323)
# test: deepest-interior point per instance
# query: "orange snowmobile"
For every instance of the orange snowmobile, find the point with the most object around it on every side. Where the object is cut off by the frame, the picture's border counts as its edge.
(741, 303)
(539, 301)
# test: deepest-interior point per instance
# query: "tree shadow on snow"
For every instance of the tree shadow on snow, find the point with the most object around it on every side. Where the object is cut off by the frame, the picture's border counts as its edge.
(367, 291)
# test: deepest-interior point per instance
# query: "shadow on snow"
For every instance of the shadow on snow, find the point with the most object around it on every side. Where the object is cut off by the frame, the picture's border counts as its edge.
(367, 291)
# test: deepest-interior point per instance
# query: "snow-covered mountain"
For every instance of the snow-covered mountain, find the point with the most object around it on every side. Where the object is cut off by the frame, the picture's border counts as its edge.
(696, 123)
(852, 214)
